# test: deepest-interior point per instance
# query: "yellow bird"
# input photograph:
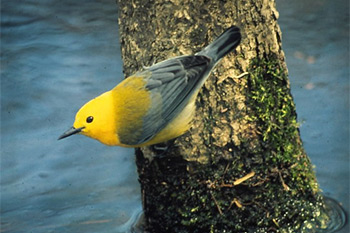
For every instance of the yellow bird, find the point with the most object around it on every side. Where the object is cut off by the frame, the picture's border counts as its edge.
(153, 105)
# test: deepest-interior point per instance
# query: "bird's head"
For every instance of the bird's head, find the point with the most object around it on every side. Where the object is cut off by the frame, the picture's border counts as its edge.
(96, 119)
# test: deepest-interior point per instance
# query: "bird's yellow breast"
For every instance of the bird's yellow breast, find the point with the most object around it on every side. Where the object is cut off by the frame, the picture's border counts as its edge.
(133, 101)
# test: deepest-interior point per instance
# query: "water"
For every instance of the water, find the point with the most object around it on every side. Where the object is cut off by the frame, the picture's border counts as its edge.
(56, 55)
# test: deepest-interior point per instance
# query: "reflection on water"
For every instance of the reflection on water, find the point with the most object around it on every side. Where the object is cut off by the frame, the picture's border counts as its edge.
(332, 220)
(56, 55)
(337, 214)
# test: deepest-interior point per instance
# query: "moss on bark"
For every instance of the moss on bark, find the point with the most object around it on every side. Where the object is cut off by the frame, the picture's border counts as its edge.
(279, 191)
(241, 167)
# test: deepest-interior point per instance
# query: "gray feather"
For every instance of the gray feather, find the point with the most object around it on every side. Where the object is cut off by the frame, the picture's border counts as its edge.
(171, 83)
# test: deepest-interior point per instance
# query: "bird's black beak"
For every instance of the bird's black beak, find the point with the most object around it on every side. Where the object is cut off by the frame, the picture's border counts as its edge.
(70, 132)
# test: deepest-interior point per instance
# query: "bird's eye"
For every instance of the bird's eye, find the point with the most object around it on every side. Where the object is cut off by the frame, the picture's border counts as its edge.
(89, 119)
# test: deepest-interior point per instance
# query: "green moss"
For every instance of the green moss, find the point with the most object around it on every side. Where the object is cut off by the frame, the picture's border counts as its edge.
(273, 110)
(283, 194)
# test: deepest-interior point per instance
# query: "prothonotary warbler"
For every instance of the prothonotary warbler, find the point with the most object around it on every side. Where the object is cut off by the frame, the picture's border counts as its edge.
(153, 105)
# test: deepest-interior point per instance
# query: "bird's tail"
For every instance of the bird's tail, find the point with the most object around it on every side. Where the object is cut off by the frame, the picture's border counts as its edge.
(222, 45)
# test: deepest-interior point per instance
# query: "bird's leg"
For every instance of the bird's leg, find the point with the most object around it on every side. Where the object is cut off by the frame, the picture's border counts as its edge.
(161, 149)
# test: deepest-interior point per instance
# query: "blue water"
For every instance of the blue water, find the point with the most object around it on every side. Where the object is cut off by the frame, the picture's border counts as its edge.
(56, 55)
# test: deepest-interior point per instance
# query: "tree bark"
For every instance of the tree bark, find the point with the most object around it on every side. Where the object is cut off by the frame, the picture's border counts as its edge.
(241, 167)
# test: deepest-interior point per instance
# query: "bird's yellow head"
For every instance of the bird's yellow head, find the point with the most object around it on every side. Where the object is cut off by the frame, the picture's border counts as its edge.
(96, 120)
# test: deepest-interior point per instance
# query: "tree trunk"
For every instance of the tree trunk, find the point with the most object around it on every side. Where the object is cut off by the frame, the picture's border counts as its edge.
(241, 167)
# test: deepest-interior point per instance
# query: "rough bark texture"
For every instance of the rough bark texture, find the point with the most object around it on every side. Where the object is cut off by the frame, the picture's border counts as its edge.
(245, 127)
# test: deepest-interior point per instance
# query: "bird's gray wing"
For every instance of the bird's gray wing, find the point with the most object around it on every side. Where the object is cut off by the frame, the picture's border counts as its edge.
(171, 84)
